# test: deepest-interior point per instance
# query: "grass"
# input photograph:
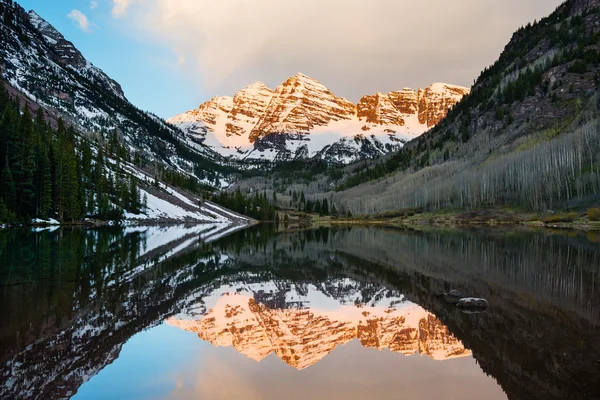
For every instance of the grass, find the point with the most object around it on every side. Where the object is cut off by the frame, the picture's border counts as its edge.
(499, 216)
(593, 214)
(563, 217)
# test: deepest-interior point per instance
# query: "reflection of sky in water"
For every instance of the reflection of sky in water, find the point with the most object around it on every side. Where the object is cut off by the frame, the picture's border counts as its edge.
(168, 363)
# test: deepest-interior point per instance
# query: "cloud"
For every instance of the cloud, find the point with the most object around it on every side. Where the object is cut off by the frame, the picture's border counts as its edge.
(120, 7)
(93, 5)
(352, 46)
(81, 20)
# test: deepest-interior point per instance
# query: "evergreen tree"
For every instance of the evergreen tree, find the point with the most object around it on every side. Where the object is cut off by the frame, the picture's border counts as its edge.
(134, 196)
(70, 183)
(308, 207)
(24, 165)
(325, 207)
(43, 181)
(8, 192)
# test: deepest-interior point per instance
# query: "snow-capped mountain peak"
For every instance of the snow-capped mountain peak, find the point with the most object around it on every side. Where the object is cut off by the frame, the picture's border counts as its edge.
(302, 118)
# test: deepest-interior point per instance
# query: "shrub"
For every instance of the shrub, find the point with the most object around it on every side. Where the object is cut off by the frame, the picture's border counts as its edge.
(578, 67)
(570, 217)
(499, 114)
(593, 214)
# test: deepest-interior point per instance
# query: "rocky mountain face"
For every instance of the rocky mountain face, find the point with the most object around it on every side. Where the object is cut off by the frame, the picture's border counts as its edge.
(313, 120)
(430, 105)
(68, 56)
(42, 66)
(303, 336)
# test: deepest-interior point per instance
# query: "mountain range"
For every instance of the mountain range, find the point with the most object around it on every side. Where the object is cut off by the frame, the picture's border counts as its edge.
(303, 119)
(300, 119)
(526, 136)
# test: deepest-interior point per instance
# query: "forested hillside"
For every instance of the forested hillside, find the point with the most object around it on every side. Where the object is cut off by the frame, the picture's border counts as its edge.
(526, 136)
(51, 173)
(39, 63)
(44, 177)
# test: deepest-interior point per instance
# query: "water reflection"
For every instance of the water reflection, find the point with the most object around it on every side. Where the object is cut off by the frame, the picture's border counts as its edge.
(303, 336)
(72, 300)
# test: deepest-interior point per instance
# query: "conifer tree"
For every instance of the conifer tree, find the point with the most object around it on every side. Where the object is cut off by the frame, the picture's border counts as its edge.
(43, 181)
(8, 192)
(309, 206)
(23, 160)
(325, 207)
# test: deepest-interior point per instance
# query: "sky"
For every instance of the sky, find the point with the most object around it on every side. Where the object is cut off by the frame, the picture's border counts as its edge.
(172, 55)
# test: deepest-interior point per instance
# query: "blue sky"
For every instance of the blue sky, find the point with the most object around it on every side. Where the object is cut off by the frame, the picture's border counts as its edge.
(143, 69)
(172, 55)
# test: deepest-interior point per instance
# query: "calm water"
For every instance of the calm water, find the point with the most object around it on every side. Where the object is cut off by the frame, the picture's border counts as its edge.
(183, 313)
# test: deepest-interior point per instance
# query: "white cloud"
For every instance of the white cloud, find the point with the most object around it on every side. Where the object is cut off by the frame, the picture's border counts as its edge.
(93, 4)
(81, 20)
(352, 46)
(120, 7)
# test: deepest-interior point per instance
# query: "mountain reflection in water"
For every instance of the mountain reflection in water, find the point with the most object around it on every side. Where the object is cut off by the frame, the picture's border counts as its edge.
(303, 336)
(72, 302)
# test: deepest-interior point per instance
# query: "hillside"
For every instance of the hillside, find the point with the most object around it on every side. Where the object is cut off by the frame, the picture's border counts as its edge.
(37, 61)
(54, 175)
(303, 120)
(526, 135)
(73, 149)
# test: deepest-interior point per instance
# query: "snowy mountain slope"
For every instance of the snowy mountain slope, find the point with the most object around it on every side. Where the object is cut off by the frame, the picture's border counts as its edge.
(39, 62)
(169, 204)
(302, 119)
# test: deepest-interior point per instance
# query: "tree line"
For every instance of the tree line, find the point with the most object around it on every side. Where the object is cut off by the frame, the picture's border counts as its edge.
(255, 205)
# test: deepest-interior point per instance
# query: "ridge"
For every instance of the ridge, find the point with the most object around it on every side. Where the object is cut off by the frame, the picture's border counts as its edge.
(285, 122)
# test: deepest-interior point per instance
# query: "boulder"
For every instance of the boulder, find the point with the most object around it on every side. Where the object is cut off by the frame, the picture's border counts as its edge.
(453, 296)
(472, 304)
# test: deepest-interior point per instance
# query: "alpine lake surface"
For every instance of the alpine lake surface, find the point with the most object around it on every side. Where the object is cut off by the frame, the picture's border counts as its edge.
(182, 312)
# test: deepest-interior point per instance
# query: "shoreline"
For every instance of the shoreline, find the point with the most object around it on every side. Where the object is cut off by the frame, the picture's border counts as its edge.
(489, 217)
(124, 223)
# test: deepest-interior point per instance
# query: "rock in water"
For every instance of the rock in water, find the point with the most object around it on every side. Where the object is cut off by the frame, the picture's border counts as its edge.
(472, 304)
(453, 296)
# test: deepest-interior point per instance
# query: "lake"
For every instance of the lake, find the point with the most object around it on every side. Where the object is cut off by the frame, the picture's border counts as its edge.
(333, 313)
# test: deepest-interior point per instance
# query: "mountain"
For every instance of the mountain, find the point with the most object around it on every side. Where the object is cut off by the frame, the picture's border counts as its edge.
(303, 336)
(302, 119)
(73, 147)
(37, 62)
(525, 136)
